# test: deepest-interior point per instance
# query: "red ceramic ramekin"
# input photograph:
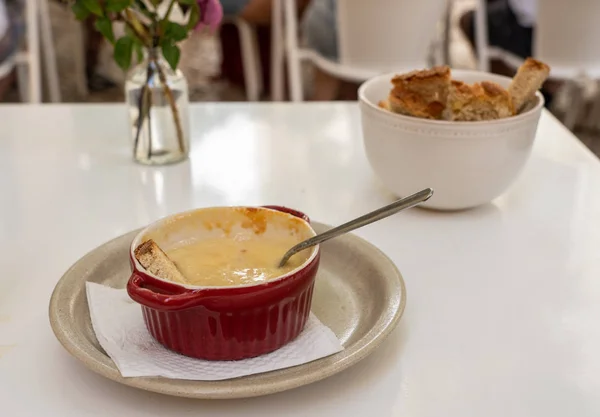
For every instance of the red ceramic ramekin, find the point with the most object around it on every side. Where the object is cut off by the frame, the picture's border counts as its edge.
(225, 323)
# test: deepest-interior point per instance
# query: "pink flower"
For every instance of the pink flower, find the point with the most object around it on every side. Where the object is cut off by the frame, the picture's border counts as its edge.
(211, 14)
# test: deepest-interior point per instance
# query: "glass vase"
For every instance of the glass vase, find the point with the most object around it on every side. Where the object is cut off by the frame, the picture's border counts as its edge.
(158, 102)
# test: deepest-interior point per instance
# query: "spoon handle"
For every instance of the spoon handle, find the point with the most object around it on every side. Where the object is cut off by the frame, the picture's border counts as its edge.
(361, 221)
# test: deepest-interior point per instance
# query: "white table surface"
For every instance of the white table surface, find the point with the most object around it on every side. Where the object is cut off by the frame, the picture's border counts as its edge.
(503, 313)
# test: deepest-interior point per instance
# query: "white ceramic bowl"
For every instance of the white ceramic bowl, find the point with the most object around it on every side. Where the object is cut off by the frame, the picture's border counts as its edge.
(466, 163)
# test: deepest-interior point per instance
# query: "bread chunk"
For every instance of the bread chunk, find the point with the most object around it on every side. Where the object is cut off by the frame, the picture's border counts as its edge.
(421, 93)
(151, 256)
(413, 104)
(431, 84)
(529, 79)
(480, 101)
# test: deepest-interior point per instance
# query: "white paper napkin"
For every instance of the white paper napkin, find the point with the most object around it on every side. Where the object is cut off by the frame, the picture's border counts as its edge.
(120, 329)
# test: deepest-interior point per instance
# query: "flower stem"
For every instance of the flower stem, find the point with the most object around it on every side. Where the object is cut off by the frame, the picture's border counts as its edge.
(171, 100)
(136, 27)
(149, 107)
(144, 103)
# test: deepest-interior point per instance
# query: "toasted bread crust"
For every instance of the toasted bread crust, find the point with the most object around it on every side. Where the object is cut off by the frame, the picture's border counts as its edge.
(535, 65)
(428, 88)
(412, 104)
(480, 101)
(493, 89)
(155, 261)
(421, 93)
(529, 79)
(428, 75)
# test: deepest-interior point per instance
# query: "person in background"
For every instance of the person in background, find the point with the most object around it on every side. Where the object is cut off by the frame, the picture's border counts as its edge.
(12, 28)
(256, 12)
(319, 33)
(511, 26)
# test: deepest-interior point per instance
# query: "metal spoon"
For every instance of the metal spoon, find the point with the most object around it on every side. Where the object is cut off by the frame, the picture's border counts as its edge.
(361, 221)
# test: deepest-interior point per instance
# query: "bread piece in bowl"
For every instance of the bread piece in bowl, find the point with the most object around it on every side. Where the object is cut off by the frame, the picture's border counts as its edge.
(431, 85)
(529, 79)
(480, 101)
(421, 93)
(412, 104)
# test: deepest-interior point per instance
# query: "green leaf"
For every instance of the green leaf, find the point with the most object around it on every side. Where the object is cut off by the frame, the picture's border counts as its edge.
(194, 17)
(104, 26)
(171, 53)
(123, 52)
(93, 6)
(175, 31)
(139, 50)
(117, 6)
(187, 2)
(156, 3)
(80, 11)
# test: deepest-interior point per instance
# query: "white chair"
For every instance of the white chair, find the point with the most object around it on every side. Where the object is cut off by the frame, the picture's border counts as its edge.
(373, 38)
(277, 51)
(29, 61)
(446, 36)
(250, 57)
(481, 36)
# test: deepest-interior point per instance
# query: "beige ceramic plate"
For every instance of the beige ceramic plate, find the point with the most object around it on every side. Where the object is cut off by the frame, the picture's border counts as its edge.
(359, 294)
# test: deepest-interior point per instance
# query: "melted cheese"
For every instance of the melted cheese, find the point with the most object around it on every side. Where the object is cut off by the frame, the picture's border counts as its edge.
(221, 262)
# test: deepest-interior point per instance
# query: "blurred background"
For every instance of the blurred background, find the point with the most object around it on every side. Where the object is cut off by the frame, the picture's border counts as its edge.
(236, 63)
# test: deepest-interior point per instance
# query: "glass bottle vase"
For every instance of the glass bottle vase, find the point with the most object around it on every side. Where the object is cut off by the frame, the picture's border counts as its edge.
(157, 97)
